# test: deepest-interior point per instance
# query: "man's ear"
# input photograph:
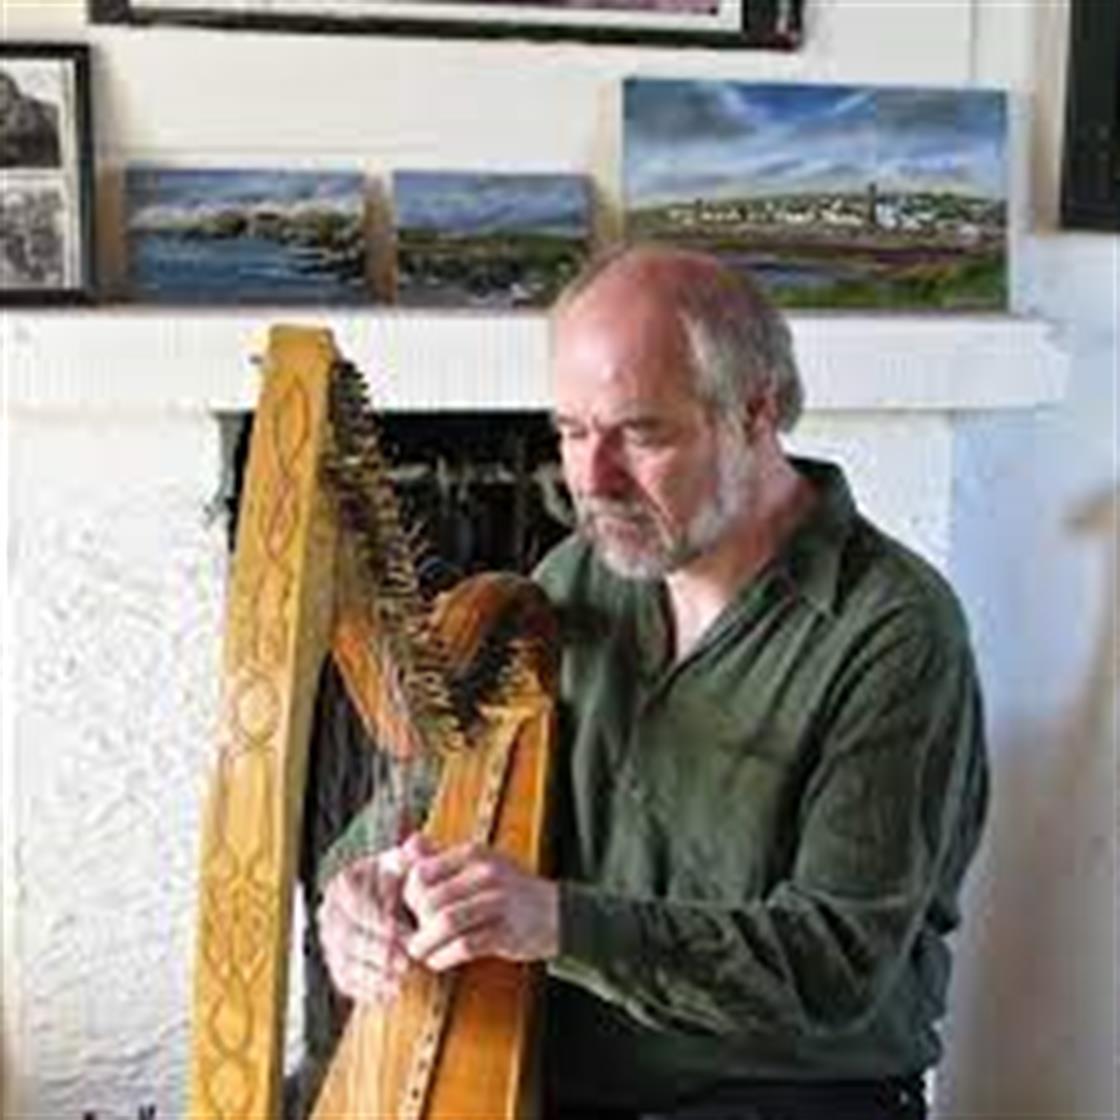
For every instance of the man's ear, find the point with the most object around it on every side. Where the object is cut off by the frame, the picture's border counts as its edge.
(761, 415)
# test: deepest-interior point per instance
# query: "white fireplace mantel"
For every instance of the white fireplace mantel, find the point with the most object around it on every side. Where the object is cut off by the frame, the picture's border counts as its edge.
(131, 359)
(117, 561)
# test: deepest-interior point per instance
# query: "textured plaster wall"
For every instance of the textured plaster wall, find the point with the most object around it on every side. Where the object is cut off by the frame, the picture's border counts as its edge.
(116, 577)
(116, 585)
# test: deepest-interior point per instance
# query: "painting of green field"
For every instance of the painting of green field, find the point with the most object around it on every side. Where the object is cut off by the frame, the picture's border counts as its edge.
(488, 240)
(834, 196)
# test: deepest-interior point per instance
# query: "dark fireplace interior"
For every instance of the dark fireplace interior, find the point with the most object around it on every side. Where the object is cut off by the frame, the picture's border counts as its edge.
(485, 487)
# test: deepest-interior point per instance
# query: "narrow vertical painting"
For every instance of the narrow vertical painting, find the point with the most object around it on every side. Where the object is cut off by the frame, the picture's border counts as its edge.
(833, 195)
(487, 240)
(245, 236)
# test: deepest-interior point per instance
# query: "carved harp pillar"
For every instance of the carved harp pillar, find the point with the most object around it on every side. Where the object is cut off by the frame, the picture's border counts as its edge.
(322, 568)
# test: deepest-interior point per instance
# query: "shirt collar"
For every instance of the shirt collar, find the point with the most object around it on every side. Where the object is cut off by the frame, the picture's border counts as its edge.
(811, 558)
(810, 562)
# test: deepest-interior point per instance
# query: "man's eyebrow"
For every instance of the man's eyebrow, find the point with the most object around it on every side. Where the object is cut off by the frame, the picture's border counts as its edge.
(642, 421)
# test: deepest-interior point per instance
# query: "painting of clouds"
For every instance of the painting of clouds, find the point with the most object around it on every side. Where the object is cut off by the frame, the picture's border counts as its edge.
(225, 236)
(835, 196)
(467, 239)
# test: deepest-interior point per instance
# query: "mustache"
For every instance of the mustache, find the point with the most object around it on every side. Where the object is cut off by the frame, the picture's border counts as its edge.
(593, 509)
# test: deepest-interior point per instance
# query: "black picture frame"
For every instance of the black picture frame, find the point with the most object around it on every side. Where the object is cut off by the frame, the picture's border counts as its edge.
(753, 24)
(46, 174)
(1090, 190)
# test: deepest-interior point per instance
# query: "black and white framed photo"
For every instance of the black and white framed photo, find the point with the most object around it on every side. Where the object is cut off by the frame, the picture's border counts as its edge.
(46, 174)
(713, 24)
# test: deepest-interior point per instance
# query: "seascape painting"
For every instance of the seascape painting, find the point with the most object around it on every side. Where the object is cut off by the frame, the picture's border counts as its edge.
(466, 239)
(835, 196)
(246, 236)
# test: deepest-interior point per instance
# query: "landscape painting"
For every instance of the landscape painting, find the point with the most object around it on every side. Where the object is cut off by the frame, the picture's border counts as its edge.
(246, 236)
(488, 240)
(835, 196)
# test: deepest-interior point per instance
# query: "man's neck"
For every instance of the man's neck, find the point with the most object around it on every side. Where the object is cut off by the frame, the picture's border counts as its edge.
(699, 592)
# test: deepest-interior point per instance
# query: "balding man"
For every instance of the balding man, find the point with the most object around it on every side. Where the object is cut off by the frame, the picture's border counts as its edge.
(772, 773)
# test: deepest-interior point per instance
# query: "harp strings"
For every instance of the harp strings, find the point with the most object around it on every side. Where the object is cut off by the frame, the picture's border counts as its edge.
(439, 673)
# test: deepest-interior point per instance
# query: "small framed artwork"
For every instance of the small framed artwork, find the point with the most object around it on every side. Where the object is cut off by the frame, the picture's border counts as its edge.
(227, 236)
(46, 174)
(488, 240)
(713, 24)
(834, 196)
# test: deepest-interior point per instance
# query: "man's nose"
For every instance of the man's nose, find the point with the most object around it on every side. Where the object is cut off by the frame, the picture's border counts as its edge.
(604, 473)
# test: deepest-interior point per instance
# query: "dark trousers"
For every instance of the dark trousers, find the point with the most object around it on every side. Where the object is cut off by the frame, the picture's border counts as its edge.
(892, 1099)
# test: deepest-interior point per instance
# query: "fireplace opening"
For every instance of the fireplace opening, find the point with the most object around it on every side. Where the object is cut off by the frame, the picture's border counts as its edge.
(484, 488)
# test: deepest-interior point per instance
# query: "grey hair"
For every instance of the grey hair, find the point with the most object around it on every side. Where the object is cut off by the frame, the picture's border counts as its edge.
(739, 341)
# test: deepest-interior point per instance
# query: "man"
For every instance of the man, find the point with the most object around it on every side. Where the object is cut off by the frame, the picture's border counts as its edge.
(772, 776)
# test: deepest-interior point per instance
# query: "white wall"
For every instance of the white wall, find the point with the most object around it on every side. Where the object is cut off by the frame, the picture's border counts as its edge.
(116, 577)
(1035, 555)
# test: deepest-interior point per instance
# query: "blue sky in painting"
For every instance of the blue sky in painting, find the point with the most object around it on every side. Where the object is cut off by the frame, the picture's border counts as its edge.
(707, 138)
(183, 190)
(474, 203)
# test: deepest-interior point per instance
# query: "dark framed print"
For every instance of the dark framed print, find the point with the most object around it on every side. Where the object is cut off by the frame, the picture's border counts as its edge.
(1091, 149)
(46, 174)
(714, 24)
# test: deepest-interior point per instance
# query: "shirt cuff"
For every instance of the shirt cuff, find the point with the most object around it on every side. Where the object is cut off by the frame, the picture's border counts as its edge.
(597, 929)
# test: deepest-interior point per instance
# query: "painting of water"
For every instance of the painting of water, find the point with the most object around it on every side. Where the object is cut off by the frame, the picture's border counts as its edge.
(226, 236)
(834, 195)
(466, 239)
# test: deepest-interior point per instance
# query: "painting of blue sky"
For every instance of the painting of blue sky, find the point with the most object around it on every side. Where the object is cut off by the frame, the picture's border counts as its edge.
(233, 236)
(472, 239)
(835, 195)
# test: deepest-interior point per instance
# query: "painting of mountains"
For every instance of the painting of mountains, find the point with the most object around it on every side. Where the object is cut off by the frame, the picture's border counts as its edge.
(466, 239)
(235, 236)
(833, 195)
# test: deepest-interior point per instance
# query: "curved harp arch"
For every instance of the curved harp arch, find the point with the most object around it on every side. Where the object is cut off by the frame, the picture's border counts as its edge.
(310, 580)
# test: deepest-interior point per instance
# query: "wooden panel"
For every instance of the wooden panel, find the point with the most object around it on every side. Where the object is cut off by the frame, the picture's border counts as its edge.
(278, 619)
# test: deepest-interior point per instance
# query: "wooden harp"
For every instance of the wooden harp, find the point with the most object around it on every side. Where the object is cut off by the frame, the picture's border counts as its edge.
(322, 569)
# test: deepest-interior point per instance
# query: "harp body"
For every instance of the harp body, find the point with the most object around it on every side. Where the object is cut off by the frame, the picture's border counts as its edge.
(458, 1046)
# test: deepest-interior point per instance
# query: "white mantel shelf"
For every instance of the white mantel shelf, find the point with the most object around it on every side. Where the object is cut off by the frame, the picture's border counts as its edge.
(157, 359)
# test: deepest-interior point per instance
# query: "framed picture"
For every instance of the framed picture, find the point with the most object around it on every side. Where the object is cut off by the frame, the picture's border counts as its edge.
(241, 236)
(471, 239)
(1091, 149)
(714, 24)
(835, 196)
(46, 174)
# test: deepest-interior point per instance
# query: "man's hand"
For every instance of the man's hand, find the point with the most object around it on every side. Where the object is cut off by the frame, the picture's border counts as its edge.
(469, 902)
(363, 925)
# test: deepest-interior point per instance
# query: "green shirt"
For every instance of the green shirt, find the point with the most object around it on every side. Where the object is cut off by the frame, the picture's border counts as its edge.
(760, 847)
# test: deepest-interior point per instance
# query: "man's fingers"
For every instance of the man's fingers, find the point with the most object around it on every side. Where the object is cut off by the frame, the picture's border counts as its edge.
(336, 929)
(439, 880)
(363, 964)
(357, 891)
(466, 922)
(358, 981)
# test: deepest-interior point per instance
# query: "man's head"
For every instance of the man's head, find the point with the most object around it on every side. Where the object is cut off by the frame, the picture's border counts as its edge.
(672, 375)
